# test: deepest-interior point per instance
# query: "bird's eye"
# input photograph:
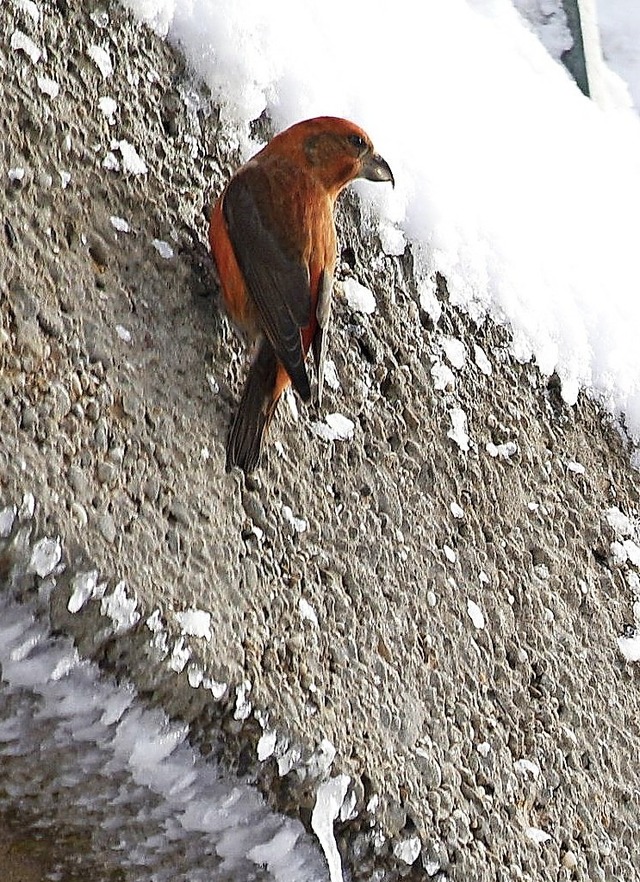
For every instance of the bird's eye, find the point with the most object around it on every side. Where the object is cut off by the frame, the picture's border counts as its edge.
(358, 142)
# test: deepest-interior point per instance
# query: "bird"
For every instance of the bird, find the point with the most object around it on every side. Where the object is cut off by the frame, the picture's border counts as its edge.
(273, 239)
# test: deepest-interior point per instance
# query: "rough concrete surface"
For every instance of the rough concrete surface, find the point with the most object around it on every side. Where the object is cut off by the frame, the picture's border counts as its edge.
(118, 378)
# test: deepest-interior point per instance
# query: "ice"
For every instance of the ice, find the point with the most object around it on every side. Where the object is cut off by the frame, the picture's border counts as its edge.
(277, 850)
(163, 248)
(21, 43)
(7, 518)
(120, 608)
(266, 745)
(180, 655)
(458, 430)
(195, 623)
(84, 586)
(45, 556)
(329, 799)
(475, 614)
(408, 850)
(359, 298)
(101, 59)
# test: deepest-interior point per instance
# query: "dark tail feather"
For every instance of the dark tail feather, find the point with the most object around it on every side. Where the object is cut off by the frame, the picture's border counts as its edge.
(254, 413)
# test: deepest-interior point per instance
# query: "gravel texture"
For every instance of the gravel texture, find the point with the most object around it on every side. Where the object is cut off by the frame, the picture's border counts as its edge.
(437, 597)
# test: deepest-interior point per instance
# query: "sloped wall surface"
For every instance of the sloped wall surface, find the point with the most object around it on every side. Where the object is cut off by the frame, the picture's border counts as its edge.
(436, 597)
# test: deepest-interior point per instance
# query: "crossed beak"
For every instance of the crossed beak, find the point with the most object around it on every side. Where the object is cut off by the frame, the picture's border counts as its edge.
(375, 168)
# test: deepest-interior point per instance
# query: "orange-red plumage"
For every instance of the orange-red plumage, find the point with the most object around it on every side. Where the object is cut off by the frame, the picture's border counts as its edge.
(273, 239)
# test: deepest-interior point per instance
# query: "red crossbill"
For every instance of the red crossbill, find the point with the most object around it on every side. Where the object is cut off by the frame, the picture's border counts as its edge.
(273, 239)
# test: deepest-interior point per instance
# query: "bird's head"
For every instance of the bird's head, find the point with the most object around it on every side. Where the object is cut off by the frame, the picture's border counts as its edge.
(337, 151)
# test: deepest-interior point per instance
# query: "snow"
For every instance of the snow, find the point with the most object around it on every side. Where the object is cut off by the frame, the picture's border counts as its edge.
(458, 430)
(299, 525)
(527, 200)
(132, 162)
(307, 612)
(620, 37)
(481, 360)
(537, 835)
(195, 623)
(20, 42)
(48, 87)
(108, 106)
(359, 298)
(475, 614)
(101, 59)
(84, 586)
(336, 427)
(502, 451)
(454, 351)
(266, 745)
(630, 647)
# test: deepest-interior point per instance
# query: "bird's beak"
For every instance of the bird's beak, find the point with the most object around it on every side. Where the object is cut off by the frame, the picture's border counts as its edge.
(375, 168)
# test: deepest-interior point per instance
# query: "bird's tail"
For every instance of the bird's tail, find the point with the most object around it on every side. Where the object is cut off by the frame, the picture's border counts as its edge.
(257, 406)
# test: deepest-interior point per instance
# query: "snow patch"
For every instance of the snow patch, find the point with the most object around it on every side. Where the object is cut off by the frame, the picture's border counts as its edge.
(359, 298)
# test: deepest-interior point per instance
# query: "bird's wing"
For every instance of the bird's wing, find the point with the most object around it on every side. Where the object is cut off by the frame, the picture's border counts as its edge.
(276, 276)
